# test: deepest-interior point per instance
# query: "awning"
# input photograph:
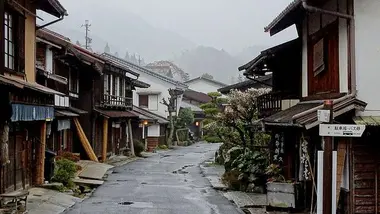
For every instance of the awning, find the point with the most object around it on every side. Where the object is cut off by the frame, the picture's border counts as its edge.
(64, 113)
(116, 114)
(150, 115)
(140, 84)
(23, 112)
(53, 7)
(304, 114)
(367, 120)
(77, 110)
(24, 84)
(51, 76)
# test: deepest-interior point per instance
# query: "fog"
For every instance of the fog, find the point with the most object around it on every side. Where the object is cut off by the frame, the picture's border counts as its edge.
(164, 29)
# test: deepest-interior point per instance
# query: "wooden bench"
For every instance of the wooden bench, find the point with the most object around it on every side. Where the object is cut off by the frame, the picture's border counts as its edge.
(14, 197)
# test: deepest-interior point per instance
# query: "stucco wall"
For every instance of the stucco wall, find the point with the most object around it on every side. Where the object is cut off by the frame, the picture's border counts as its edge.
(156, 85)
(367, 54)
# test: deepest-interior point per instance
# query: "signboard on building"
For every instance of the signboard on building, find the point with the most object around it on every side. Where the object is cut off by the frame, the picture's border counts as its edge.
(341, 130)
(324, 116)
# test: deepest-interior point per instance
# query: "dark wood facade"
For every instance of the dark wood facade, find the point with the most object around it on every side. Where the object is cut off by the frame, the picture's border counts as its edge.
(326, 79)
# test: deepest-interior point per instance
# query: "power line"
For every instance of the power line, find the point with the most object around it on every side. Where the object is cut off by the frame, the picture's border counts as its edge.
(88, 40)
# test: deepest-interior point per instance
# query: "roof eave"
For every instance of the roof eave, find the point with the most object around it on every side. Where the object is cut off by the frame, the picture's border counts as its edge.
(286, 18)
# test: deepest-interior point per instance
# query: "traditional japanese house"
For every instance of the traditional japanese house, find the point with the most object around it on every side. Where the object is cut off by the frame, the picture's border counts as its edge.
(151, 98)
(54, 72)
(27, 105)
(338, 48)
(193, 100)
(113, 112)
(141, 127)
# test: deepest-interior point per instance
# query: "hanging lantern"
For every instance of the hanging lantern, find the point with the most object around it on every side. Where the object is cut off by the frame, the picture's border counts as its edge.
(197, 123)
(145, 122)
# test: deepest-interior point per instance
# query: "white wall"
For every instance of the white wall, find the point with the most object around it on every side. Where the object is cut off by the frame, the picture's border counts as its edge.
(314, 23)
(154, 130)
(203, 86)
(367, 54)
(156, 85)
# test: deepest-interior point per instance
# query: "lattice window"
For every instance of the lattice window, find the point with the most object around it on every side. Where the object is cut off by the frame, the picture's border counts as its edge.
(9, 39)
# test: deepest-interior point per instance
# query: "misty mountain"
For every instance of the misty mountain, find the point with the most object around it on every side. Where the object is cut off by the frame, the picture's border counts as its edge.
(220, 64)
(125, 32)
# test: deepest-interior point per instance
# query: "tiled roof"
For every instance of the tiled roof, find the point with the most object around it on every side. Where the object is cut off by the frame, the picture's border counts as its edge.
(151, 115)
(207, 80)
(116, 114)
(267, 79)
(197, 96)
(138, 69)
(286, 18)
(292, 116)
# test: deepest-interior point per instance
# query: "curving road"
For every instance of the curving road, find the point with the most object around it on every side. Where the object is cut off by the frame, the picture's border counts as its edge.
(167, 183)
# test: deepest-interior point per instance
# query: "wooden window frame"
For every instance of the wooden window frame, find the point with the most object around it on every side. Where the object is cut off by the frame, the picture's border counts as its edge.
(144, 105)
(11, 27)
(71, 81)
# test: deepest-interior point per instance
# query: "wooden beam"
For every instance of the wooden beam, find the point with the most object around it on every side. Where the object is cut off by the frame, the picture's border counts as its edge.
(83, 139)
(131, 138)
(41, 155)
(105, 139)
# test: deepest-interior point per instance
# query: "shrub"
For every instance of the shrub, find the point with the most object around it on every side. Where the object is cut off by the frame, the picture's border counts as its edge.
(68, 156)
(212, 139)
(139, 147)
(64, 171)
(163, 147)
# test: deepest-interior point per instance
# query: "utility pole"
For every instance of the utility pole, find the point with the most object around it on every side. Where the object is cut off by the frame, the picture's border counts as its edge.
(87, 39)
(327, 172)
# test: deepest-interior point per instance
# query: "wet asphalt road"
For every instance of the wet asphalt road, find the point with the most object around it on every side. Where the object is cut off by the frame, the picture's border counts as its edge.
(167, 183)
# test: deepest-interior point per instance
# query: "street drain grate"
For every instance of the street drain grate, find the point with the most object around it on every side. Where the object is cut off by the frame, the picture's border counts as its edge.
(126, 203)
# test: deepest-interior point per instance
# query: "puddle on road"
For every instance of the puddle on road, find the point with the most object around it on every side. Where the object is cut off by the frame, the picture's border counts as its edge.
(126, 203)
(137, 204)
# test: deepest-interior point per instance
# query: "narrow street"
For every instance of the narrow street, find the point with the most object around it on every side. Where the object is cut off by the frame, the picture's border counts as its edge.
(169, 183)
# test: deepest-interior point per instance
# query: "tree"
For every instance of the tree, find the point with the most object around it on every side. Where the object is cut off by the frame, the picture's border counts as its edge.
(186, 77)
(241, 113)
(185, 118)
(116, 54)
(207, 76)
(126, 56)
(172, 110)
(170, 74)
(240, 78)
(107, 49)
(78, 43)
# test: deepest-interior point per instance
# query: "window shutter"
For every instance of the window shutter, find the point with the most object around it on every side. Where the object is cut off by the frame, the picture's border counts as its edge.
(21, 44)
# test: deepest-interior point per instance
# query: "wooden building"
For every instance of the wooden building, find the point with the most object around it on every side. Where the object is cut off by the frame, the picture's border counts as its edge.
(112, 115)
(256, 82)
(331, 33)
(28, 105)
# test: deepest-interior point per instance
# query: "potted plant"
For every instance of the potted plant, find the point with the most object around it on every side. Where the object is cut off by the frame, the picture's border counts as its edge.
(280, 192)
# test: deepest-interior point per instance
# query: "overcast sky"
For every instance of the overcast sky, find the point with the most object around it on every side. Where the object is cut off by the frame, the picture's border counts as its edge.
(228, 24)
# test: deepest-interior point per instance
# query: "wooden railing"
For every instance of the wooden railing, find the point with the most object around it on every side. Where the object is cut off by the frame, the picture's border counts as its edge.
(116, 101)
(269, 104)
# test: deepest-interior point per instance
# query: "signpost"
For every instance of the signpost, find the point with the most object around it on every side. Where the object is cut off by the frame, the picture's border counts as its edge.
(328, 131)
(323, 116)
(341, 130)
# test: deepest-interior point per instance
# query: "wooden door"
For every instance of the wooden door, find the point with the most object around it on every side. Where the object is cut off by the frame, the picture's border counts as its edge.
(366, 176)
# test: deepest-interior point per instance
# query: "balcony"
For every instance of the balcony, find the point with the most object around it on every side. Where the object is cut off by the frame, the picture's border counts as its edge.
(112, 101)
(269, 104)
